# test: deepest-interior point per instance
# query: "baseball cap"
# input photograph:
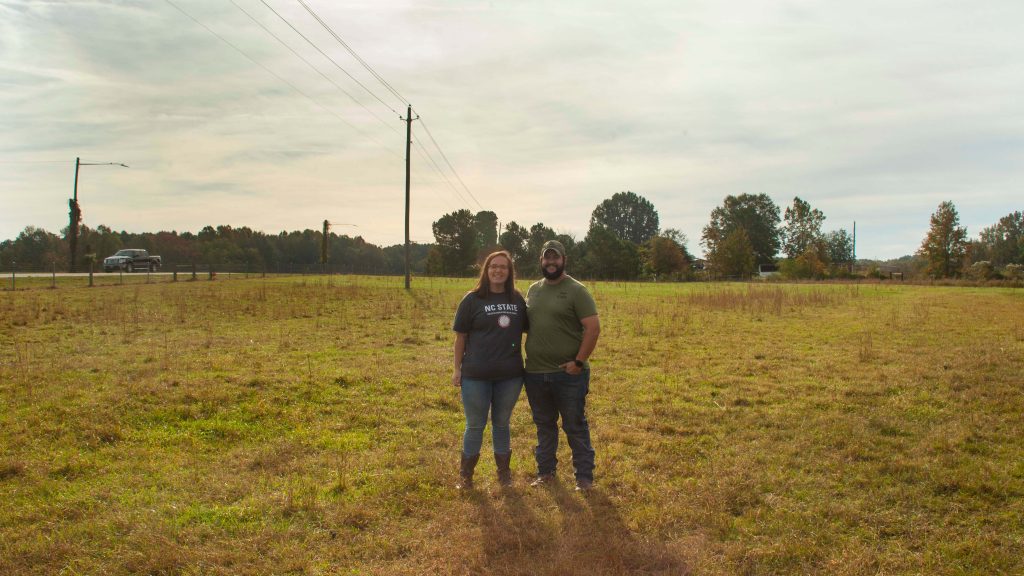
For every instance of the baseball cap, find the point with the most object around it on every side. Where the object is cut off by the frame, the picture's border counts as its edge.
(553, 245)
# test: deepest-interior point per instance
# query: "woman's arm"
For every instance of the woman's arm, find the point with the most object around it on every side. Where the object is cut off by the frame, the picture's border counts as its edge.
(459, 352)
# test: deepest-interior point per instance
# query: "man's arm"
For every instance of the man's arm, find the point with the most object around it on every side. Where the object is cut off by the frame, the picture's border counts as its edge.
(591, 330)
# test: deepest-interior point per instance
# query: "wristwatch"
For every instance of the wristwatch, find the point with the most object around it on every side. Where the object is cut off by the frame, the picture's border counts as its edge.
(578, 362)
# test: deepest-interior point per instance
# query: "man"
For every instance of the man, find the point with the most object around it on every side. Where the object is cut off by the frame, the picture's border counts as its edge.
(563, 333)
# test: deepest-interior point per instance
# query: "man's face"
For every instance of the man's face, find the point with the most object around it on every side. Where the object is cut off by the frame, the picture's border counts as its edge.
(552, 265)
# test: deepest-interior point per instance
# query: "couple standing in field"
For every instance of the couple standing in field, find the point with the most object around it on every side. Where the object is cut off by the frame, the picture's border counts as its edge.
(560, 319)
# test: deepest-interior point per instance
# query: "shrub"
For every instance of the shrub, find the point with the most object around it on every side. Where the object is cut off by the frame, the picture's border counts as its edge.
(981, 270)
(1013, 272)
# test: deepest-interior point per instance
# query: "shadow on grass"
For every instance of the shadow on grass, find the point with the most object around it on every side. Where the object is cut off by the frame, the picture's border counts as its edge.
(568, 534)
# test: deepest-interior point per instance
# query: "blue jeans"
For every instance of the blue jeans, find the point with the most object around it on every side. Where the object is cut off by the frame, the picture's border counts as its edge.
(561, 394)
(497, 397)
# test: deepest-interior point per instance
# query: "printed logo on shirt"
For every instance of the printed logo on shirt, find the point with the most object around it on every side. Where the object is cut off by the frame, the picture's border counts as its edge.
(504, 321)
(501, 308)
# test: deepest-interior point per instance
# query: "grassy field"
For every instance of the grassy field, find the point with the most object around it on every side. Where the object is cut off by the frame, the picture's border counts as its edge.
(307, 426)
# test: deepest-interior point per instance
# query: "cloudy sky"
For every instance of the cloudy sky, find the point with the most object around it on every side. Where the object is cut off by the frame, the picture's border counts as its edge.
(872, 111)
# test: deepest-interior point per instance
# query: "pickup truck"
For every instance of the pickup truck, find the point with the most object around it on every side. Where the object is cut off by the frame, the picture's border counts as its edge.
(130, 260)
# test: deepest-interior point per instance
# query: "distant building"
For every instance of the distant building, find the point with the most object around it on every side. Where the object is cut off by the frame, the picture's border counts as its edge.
(767, 270)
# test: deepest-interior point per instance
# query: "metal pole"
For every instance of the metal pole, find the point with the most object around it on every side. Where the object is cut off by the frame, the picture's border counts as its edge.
(75, 215)
(408, 145)
(324, 247)
(854, 246)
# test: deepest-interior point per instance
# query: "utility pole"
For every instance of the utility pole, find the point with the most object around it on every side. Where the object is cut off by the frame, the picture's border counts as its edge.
(75, 217)
(324, 244)
(75, 213)
(408, 145)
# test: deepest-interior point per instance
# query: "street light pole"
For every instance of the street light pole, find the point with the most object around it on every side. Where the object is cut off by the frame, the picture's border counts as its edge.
(75, 212)
(75, 215)
(325, 243)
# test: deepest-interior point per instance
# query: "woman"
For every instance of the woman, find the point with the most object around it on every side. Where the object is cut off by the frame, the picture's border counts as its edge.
(489, 328)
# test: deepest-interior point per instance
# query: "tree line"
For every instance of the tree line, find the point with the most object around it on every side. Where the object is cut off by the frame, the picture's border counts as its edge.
(220, 248)
(624, 241)
(998, 252)
(746, 234)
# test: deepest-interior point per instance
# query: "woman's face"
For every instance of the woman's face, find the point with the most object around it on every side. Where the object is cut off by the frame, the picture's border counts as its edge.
(498, 270)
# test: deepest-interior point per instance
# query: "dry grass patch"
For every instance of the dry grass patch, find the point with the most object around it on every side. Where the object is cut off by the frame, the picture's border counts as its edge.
(306, 425)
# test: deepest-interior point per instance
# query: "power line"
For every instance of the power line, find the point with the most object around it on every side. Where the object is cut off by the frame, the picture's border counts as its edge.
(421, 150)
(34, 161)
(425, 154)
(436, 145)
(338, 66)
(447, 202)
(308, 63)
(275, 75)
(391, 89)
(353, 53)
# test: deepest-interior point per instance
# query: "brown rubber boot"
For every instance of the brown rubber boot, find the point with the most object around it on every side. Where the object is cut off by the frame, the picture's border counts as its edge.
(503, 463)
(466, 467)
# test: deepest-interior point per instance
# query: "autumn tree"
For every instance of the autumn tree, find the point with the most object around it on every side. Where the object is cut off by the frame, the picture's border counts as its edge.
(802, 227)
(946, 243)
(734, 256)
(757, 215)
(665, 255)
(75, 220)
(812, 263)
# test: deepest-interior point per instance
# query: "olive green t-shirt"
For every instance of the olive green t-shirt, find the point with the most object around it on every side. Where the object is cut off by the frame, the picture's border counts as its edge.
(555, 334)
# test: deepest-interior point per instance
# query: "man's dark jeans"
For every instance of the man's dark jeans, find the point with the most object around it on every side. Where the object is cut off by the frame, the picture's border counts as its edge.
(560, 394)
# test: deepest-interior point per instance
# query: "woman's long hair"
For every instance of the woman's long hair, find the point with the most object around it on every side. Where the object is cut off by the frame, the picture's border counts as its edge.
(483, 285)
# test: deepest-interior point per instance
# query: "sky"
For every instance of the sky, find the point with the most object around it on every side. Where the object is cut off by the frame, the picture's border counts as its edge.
(872, 111)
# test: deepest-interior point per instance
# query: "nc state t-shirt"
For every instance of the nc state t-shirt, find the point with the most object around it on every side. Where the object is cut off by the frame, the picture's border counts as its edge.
(494, 329)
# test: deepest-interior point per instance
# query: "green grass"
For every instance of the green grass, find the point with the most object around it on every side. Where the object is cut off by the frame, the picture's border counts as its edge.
(307, 426)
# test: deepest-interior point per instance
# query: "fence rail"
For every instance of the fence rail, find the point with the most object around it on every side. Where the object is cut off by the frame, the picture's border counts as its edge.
(14, 278)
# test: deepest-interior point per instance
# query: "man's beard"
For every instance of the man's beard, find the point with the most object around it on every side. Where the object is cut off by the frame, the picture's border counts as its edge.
(552, 275)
